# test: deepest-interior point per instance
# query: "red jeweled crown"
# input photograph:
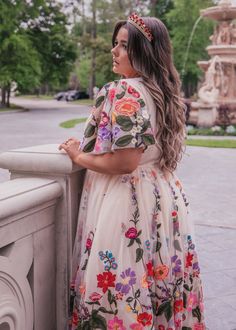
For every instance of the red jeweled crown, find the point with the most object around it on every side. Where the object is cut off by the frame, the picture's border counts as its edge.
(138, 22)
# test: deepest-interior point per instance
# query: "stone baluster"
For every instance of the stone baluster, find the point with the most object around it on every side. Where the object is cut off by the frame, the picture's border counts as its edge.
(32, 219)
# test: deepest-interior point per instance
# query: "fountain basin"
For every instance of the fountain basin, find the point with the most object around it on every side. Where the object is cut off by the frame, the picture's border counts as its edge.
(220, 13)
(225, 50)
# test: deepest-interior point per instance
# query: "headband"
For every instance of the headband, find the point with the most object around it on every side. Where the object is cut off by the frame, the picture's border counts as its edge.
(138, 22)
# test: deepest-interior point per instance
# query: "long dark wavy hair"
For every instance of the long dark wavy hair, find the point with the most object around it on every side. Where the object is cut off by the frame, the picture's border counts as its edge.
(153, 62)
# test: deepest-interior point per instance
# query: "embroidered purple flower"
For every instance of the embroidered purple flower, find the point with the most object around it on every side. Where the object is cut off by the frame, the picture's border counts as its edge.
(104, 119)
(104, 133)
(128, 279)
(116, 130)
(176, 268)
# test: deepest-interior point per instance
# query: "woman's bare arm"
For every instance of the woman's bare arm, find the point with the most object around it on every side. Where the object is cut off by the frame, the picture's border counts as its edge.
(119, 162)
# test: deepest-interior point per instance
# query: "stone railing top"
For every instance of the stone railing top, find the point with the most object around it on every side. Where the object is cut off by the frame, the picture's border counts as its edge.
(41, 159)
(23, 194)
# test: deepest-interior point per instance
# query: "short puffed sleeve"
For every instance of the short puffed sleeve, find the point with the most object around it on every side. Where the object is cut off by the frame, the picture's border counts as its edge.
(119, 119)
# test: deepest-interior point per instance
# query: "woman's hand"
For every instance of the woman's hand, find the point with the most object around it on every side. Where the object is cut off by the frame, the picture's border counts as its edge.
(71, 147)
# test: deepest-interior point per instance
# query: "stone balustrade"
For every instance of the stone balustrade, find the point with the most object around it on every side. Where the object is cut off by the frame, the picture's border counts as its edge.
(38, 217)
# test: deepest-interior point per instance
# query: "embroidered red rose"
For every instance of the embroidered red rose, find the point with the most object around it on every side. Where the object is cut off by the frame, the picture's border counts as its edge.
(95, 296)
(133, 92)
(178, 306)
(89, 243)
(161, 327)
(106, 280)
(144, 319)
(131, 233)
(189, 259)
(75, 318)
(150, 269)
(174, 214)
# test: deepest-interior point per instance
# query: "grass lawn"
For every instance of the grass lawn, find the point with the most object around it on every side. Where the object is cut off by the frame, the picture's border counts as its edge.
(71, 123)
(211, 143)
(36, 97)
(12, 107)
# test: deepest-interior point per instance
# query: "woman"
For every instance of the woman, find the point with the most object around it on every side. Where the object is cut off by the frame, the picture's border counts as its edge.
(134, 258)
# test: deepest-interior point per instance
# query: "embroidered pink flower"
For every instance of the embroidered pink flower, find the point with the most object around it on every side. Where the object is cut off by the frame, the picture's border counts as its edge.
(116, 324)
(150, 269)
(127, 107)
(192, 301)
(199, 326)
(133, 91)
(89, 243)
(95, 296)
(131, 233)
(112, 93)
(104, 119)
(136, 326)
(98, 145)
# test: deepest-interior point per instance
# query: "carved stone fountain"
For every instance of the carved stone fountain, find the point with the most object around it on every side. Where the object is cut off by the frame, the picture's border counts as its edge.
(218, 91)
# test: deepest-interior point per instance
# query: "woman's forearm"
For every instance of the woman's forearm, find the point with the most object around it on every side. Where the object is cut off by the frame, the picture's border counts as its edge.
(110, 163)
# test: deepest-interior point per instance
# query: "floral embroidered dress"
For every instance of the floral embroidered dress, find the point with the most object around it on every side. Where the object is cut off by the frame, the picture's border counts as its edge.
(135, 264)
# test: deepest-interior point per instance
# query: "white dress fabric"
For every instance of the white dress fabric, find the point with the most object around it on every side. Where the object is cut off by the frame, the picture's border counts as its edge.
(135, 263)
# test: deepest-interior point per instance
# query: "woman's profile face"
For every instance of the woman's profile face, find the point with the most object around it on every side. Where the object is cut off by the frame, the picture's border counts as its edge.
(121, 63)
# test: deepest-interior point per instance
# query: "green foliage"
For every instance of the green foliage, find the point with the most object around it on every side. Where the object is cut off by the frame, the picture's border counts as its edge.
(181, 20)
(211, 143)
(72, 122)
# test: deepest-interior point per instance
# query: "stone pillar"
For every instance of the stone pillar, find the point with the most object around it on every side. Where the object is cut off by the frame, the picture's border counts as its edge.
(47, 162)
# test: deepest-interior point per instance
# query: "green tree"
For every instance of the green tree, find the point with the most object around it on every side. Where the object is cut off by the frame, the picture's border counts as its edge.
(181, 20)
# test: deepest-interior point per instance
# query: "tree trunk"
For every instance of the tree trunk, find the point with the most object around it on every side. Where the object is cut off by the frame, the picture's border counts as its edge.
(3, 101)
(93, 60)
(8, 95)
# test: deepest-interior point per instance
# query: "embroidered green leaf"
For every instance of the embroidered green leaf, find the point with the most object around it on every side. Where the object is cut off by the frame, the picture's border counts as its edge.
(168, 312)
(148, 139)
(89, 146)
(138, 240)
(142, 103)
(105, 311)
(158, 226)
(124, 140)
(158, 246)
(197, 313)
(139, 232)
(99, 101)
(85, 325)
(145, 126)
(177, 245)
(89, 131)
(186, 287)
(131, 242)
(137, 294)
(85, 264)
(129, 299)
(184, 300)
(139, 254)
(163, 307)
(125, 123)
(110, 298)
(98, 322)
(135, 304)
(119, 96)
(186, 328)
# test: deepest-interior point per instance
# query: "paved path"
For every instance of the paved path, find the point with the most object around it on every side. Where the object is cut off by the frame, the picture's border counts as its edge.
(209, 177)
